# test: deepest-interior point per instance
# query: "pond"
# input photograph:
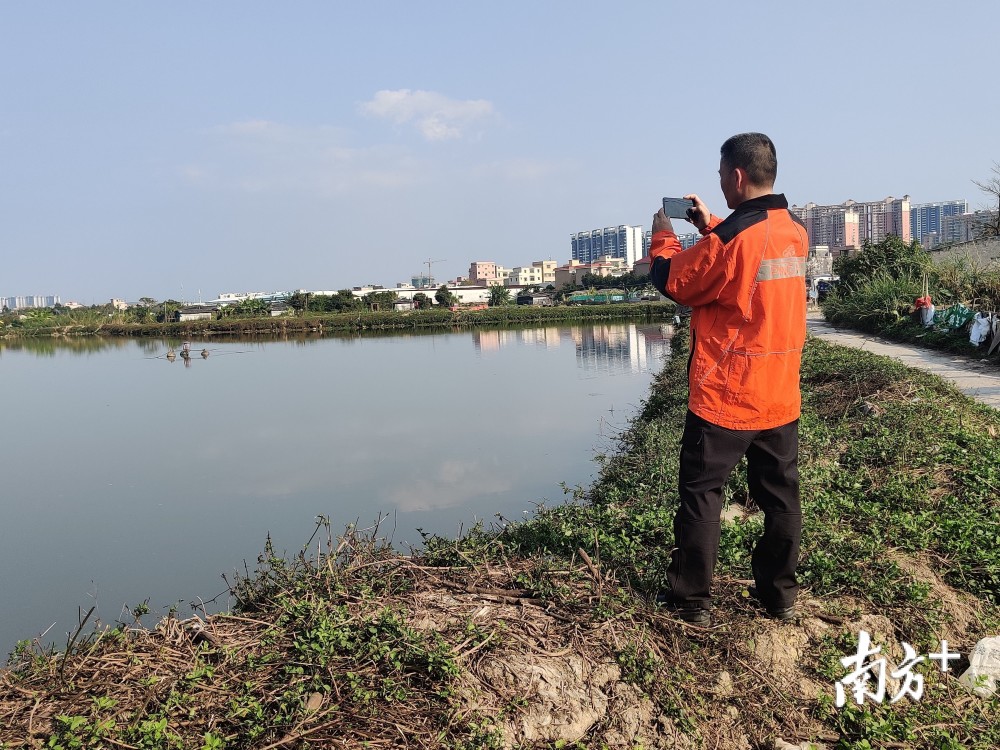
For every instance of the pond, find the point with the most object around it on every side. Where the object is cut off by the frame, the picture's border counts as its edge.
(134, 476)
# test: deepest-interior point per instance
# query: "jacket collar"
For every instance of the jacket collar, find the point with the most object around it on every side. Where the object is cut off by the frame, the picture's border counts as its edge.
(763, 203)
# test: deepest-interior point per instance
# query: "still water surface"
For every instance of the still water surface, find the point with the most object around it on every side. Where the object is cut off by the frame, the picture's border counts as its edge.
(127, 476)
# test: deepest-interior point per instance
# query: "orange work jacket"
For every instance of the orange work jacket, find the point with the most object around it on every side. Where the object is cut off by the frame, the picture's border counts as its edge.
(744, 280)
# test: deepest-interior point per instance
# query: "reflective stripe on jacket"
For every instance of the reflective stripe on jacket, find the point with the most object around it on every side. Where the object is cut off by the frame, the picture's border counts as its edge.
(744, 283)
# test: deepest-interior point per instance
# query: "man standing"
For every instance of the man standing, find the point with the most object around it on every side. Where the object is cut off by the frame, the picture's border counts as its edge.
(743, 280)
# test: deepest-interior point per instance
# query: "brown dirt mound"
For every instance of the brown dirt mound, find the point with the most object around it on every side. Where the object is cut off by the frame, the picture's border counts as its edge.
(542, 657)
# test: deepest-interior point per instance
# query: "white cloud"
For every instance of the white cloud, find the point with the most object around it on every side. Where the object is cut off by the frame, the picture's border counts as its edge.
(436, 116)
(256, 156)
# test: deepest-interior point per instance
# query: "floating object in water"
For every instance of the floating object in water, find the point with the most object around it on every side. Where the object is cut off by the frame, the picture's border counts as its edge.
(186, 346)
(171, 356)
(204, 353)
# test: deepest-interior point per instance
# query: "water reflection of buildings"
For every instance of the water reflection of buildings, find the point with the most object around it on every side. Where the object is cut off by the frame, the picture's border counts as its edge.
(492, 341)
(618, 349)
(605, 349)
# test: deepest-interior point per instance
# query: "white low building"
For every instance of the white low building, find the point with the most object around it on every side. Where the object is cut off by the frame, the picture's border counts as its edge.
(465, 294)
(231, 298)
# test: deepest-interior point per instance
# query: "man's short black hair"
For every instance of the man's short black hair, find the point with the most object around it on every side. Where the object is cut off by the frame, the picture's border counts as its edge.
(753, 153)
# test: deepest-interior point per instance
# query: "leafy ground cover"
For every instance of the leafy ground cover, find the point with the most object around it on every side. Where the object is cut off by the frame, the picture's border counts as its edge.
(541, 634)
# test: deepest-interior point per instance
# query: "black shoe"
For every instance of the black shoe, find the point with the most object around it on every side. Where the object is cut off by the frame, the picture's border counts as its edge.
(692, 614)
(778, 613)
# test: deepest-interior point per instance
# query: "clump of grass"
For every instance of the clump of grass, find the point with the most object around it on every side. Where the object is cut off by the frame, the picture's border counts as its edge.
(353, 644)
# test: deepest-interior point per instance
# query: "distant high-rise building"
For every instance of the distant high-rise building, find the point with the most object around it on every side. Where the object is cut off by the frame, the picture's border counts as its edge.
(832, 226)
(849, 224)
(879, 219)
(686, 240)
(927, 220)
(965, 227)
(28, 301)
(422, 281)
(622, 241)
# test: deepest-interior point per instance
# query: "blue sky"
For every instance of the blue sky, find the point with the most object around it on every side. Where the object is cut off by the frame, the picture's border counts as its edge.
(159, 149)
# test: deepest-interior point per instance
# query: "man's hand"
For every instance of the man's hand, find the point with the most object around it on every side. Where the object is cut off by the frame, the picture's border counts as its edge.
(699, 215)
(661, 222)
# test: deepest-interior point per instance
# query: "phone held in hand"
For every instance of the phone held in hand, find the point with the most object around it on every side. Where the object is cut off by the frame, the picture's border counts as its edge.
(677, 208)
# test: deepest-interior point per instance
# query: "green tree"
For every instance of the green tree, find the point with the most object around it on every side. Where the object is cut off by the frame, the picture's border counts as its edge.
(167, 310)
(38, 317)
(444, 297)
(379, 300)
(595, 281)
(299, 301)
(564, 291)
(892, 257)
(141, 314)
(633, 283)
(343, 301)
(253, 307)
(628, 282)
(499, 295)
(421, 300)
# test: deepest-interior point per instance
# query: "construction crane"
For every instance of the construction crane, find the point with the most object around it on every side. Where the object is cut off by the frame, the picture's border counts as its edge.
(428, 263)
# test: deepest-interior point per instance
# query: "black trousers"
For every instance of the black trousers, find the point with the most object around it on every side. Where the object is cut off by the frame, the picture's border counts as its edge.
(709, 453)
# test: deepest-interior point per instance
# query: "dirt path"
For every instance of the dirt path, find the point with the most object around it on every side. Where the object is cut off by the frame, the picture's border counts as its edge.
(974, 378)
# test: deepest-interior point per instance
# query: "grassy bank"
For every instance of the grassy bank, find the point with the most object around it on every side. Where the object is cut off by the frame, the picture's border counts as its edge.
(363, 321)
(541, 634)
(907, 331)
(880, 284)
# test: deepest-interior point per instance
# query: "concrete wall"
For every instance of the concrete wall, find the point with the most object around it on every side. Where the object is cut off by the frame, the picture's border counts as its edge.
(982, 252)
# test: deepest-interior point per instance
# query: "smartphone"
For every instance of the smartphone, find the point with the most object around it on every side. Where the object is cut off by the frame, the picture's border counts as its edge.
(677, 208)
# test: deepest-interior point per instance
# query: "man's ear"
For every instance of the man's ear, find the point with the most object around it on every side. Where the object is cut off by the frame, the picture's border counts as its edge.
(741, 179)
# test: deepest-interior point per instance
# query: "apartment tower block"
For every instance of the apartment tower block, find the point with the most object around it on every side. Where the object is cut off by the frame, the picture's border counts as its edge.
(848, 225)
(622, 241)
